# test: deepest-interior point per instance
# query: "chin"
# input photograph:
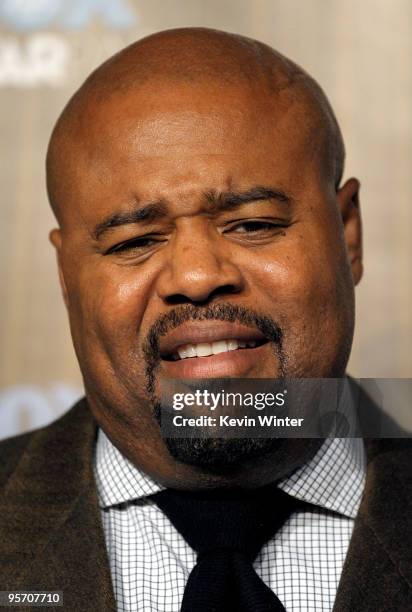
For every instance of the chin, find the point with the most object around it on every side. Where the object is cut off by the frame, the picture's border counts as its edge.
(218, 455)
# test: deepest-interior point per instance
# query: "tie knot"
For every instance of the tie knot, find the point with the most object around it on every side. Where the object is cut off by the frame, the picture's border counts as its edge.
(233, 520)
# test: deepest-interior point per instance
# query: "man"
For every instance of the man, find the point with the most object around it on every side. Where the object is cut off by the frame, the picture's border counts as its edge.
(203, 232)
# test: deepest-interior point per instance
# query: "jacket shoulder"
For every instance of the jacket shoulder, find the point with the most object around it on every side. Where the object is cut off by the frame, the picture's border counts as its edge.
(12, 449)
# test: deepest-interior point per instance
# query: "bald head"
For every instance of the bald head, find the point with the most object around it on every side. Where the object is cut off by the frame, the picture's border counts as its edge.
(194, 58)
(194, 177)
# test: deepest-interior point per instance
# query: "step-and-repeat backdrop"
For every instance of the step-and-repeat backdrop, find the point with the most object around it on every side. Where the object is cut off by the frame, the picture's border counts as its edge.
(360, 52)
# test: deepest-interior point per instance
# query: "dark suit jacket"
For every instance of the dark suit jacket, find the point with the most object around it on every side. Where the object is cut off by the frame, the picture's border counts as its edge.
(51, 535)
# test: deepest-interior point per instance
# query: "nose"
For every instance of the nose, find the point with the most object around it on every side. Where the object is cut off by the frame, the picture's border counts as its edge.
(199, 268)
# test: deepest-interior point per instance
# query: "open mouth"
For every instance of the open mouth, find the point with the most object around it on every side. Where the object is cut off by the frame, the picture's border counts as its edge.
(206, 349)
(214, 349)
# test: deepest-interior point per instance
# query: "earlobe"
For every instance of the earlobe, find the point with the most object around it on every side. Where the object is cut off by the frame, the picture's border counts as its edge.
(55, 238)
(348, 199)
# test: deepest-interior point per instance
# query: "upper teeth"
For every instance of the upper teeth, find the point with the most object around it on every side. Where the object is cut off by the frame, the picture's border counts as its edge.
(203, 349)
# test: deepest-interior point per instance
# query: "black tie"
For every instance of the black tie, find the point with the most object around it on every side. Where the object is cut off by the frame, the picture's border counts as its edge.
(227, 528)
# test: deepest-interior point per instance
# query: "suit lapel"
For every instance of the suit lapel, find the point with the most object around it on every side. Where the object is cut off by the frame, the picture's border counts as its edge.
(377, 574)
(53, 538)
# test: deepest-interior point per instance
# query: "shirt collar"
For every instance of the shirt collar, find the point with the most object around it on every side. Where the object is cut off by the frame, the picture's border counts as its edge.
(118, 479)
(334, 478)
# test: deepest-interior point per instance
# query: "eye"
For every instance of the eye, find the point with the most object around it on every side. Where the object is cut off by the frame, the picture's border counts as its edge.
(255, 228)
(135, 245)
(252, 226)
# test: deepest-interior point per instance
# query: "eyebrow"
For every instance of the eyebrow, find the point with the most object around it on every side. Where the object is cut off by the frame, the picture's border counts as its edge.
(216, 201)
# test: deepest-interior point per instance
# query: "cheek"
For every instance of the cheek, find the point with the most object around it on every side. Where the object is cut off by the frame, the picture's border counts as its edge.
(107, 306)
(309, 295)
(293, 275)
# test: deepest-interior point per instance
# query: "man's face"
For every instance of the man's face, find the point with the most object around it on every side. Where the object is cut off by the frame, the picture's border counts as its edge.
(235, 266)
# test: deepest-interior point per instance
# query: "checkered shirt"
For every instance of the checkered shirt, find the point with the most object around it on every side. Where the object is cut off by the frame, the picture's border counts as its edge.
(150, 561)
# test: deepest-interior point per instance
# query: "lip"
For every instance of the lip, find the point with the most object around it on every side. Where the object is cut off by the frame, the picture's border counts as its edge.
(241, 363)
(196, 332)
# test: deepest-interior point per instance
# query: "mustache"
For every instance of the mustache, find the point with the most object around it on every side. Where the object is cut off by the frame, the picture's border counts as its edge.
(218, 312)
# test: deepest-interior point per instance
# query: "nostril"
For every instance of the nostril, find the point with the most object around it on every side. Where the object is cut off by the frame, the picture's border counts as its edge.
(177, 299)
(225, 290)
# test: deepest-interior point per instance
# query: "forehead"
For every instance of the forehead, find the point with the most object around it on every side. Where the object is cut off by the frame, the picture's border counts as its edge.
(166, 114)
(166, 138)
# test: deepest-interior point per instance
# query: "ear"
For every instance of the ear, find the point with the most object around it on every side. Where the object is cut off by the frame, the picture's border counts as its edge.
(55, 238)
(348, 200)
